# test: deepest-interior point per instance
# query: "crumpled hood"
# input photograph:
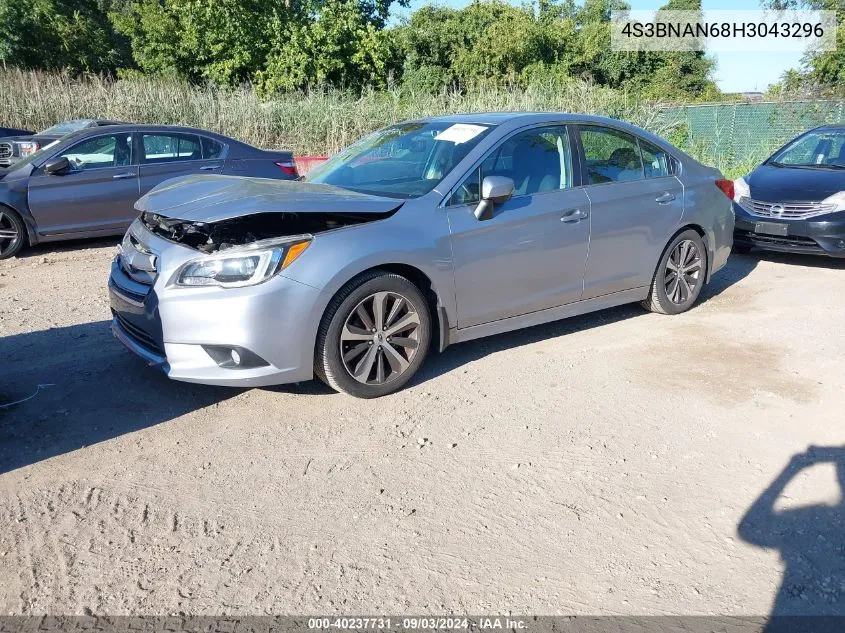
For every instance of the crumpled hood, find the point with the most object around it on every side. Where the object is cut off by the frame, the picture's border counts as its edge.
(211, 198)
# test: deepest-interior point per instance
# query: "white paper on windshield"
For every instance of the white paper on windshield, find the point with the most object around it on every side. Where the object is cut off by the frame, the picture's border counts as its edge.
(460, 133)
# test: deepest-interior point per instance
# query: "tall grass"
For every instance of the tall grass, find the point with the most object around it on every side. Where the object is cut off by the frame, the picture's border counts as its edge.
(317, 122)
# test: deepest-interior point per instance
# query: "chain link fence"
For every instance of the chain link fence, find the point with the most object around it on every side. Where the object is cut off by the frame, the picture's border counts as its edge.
(736, 137)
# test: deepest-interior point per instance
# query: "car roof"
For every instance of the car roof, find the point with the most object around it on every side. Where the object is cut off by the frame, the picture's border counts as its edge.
(498, 118)
(145, 127)
(833, 127)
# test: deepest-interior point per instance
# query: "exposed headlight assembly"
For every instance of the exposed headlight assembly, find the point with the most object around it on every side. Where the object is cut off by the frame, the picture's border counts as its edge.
(238, 267)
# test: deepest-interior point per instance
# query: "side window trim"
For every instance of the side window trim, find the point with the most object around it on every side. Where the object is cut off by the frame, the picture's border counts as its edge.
(576, 167)
(674, 164)
(133, 154)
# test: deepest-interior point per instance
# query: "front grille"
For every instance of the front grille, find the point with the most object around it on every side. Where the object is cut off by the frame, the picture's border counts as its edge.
(804, 244)
(140, 336)
(792, 210)
(5, 154)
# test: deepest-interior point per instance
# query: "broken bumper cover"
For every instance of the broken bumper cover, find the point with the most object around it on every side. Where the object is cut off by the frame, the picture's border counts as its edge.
(187, 332)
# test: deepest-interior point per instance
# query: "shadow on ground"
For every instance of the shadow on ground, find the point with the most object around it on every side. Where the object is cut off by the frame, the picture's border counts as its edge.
(69, 246)
(809, 261)
(811, 543)
(738, 268)
(94, 390)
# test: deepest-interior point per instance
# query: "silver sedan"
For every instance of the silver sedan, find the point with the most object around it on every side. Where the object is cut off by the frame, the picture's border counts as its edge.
(422, 235)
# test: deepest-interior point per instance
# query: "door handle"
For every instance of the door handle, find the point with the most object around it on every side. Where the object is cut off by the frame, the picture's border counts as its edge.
(128, 174)
(210, 167)
(574, 215)
(665, 198)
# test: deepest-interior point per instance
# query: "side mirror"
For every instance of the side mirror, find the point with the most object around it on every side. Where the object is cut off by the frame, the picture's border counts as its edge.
(494, 190)
(57, 166)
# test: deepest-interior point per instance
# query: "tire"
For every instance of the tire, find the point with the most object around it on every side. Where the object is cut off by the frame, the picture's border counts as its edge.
(347, 344)
(12, 233)
(741, 249)
(669, 296)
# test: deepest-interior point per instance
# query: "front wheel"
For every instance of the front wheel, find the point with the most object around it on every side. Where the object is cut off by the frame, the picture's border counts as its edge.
(12, 233)
(680, 275)
(374, 335)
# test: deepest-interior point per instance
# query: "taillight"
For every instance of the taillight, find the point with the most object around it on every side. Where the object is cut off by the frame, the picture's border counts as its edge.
(727, 187)
(287, 166)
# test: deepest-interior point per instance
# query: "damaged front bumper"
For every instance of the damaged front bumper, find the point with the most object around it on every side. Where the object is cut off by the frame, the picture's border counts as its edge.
(191, 333)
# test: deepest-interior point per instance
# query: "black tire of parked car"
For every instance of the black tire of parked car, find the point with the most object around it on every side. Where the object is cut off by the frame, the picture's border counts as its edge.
(658, 300)
(11, 224)
(741, 249)
(328, 362)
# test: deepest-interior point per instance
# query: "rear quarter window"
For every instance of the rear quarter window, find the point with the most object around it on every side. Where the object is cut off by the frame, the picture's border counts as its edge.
(210, 148)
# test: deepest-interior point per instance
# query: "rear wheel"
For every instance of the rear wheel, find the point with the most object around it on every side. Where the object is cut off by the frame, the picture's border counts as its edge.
(680, 275)
(374, 335)
(12, 233)
(741, 249)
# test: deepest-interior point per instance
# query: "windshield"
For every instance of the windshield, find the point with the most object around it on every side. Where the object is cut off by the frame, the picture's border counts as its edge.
(66, 127)
(821, 148)
(46, 150)
(401, 161)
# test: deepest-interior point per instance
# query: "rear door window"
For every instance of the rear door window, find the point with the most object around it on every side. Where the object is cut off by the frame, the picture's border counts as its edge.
(612, 156)
(170, 148)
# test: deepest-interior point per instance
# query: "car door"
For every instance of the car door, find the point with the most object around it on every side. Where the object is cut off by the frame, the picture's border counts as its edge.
(530, 255)
(97, 193)
(635, 204)
(167, 155)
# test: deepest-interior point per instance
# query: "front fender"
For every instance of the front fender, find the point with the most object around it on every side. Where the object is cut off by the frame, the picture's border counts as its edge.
(13, 194)
(336, 257)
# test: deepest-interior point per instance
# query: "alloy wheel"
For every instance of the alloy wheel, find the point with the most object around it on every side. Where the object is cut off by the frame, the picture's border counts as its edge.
(683, 272)
(9, 234)
(380, 338)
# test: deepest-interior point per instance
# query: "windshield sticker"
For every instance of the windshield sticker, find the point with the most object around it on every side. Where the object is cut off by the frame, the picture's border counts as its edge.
(460, 133)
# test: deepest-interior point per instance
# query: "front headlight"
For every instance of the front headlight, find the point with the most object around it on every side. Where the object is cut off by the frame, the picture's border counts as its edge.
(25, 148)
(833, 203)
(238, 267)
(741, 190)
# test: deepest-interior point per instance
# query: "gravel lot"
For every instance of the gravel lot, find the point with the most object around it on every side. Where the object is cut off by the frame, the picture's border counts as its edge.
(600, 465)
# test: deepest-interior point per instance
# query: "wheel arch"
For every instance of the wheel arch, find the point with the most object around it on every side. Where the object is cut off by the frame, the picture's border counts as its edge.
(705, 237)
(439, 320)
(27, 221)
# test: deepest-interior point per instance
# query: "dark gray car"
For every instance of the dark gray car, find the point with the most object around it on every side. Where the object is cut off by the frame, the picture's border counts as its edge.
(86, 184)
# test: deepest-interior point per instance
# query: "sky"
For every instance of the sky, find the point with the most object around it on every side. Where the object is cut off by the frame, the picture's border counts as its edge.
(735, 71)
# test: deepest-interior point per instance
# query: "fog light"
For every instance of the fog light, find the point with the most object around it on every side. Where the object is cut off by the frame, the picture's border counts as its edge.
(229, 357)
(841, 244)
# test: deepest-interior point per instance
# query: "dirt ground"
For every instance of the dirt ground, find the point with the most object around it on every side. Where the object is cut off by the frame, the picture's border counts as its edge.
(600, 465)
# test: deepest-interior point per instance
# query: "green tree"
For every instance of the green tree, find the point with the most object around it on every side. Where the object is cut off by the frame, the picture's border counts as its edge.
(332, 42)
(73, 35)
(824, 71)
(222, 41)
